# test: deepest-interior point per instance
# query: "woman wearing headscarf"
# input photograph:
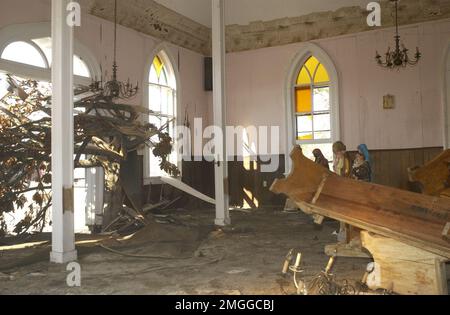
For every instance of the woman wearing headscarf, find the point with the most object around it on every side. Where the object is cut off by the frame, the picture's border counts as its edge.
(364, 151)
(321, 159)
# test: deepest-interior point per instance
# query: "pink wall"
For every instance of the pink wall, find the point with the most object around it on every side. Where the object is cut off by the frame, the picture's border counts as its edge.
(134, 52)
(256, 79)
(256, 87)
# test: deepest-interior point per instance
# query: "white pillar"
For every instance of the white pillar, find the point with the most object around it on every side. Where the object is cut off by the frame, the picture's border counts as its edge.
(63, 237)
(95, 179)
(221, 167)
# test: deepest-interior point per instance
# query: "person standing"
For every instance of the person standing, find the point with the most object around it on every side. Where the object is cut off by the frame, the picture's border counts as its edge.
(321, 159)
(341, 165)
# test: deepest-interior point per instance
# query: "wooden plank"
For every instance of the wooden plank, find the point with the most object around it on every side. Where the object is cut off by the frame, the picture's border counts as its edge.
(349, 250)
(441, 277)
(409, 217)
(403, 268)
(434, 175)
(187, 189)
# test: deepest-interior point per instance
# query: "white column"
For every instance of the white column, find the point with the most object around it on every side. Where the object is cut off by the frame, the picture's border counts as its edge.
(95, 179)
(63, 237)
(221, 167)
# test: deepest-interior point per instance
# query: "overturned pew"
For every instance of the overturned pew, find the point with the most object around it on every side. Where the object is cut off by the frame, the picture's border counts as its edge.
(434, 177)
(406, 233)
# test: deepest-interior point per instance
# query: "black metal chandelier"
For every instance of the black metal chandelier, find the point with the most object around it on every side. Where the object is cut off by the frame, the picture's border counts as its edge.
(398, 58)
(114, 88)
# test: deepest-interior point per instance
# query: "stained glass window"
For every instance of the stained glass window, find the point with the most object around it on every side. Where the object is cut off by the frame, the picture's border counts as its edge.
(162, 103)
(312, 108)
(312, 99)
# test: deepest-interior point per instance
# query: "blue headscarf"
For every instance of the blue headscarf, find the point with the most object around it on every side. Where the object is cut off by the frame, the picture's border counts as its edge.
(365, 151)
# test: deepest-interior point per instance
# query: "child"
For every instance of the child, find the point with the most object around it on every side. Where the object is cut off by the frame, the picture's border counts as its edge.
(361, 168)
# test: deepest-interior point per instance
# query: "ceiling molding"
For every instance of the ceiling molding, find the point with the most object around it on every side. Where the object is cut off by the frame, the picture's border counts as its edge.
(152, 18)
(343, 21)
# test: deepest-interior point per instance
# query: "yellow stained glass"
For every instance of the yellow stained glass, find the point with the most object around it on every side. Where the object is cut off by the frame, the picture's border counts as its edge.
(303, 77)
(306, 137)
(303, 100)
(321, 75)
(311, 64)
(158, 64)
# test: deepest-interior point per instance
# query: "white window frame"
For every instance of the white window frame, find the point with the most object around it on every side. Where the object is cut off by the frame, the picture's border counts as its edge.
(313, 113)
(26, 33)
(308, 50)
(163, 51)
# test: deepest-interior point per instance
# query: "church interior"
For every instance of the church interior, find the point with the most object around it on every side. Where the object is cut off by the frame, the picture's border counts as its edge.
(224, 147)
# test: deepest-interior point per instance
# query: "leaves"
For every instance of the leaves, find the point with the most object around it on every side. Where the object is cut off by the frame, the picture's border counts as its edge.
(104, 132)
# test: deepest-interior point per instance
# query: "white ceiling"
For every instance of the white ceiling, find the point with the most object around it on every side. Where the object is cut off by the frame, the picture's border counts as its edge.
(243, 12)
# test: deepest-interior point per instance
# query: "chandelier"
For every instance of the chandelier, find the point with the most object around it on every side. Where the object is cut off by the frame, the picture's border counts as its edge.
(398, 58)
(115, 88)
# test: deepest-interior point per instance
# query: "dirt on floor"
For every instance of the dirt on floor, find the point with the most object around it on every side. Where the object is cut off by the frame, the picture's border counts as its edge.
(187, 256)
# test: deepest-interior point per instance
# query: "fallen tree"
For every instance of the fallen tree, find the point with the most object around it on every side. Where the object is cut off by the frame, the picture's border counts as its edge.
(104, 133)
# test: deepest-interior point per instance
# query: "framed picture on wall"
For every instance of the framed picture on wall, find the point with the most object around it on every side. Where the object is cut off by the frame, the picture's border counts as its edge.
(388, 101)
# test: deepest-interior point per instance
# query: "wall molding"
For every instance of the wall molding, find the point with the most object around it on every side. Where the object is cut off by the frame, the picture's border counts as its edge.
(346, 20)
(152, 18)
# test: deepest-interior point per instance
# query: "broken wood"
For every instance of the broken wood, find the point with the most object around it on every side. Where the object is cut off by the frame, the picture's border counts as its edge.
(446, 231)
(434, 177)
(349, 250)
(404, 269)
(415, 219)
(187, 189)
(105, 132)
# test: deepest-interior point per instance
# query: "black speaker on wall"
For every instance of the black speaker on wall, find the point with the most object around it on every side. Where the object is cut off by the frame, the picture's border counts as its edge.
(208, 74)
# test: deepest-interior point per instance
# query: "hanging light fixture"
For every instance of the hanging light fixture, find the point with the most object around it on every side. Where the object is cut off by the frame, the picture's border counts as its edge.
(114, 88)
(398, 58)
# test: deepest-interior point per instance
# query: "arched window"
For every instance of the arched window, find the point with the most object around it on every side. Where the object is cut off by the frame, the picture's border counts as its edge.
(313, 122)
(38, 53)
(26, 52)
(162, 102)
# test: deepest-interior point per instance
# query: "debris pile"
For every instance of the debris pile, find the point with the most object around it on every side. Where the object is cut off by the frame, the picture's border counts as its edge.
(105, 132)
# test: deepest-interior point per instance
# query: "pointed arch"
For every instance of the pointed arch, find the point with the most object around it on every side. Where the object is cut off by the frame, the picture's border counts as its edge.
(163, 59)
(304, 55)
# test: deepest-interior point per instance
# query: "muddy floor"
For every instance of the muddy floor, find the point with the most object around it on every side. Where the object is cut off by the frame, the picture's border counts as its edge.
(193, 257)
